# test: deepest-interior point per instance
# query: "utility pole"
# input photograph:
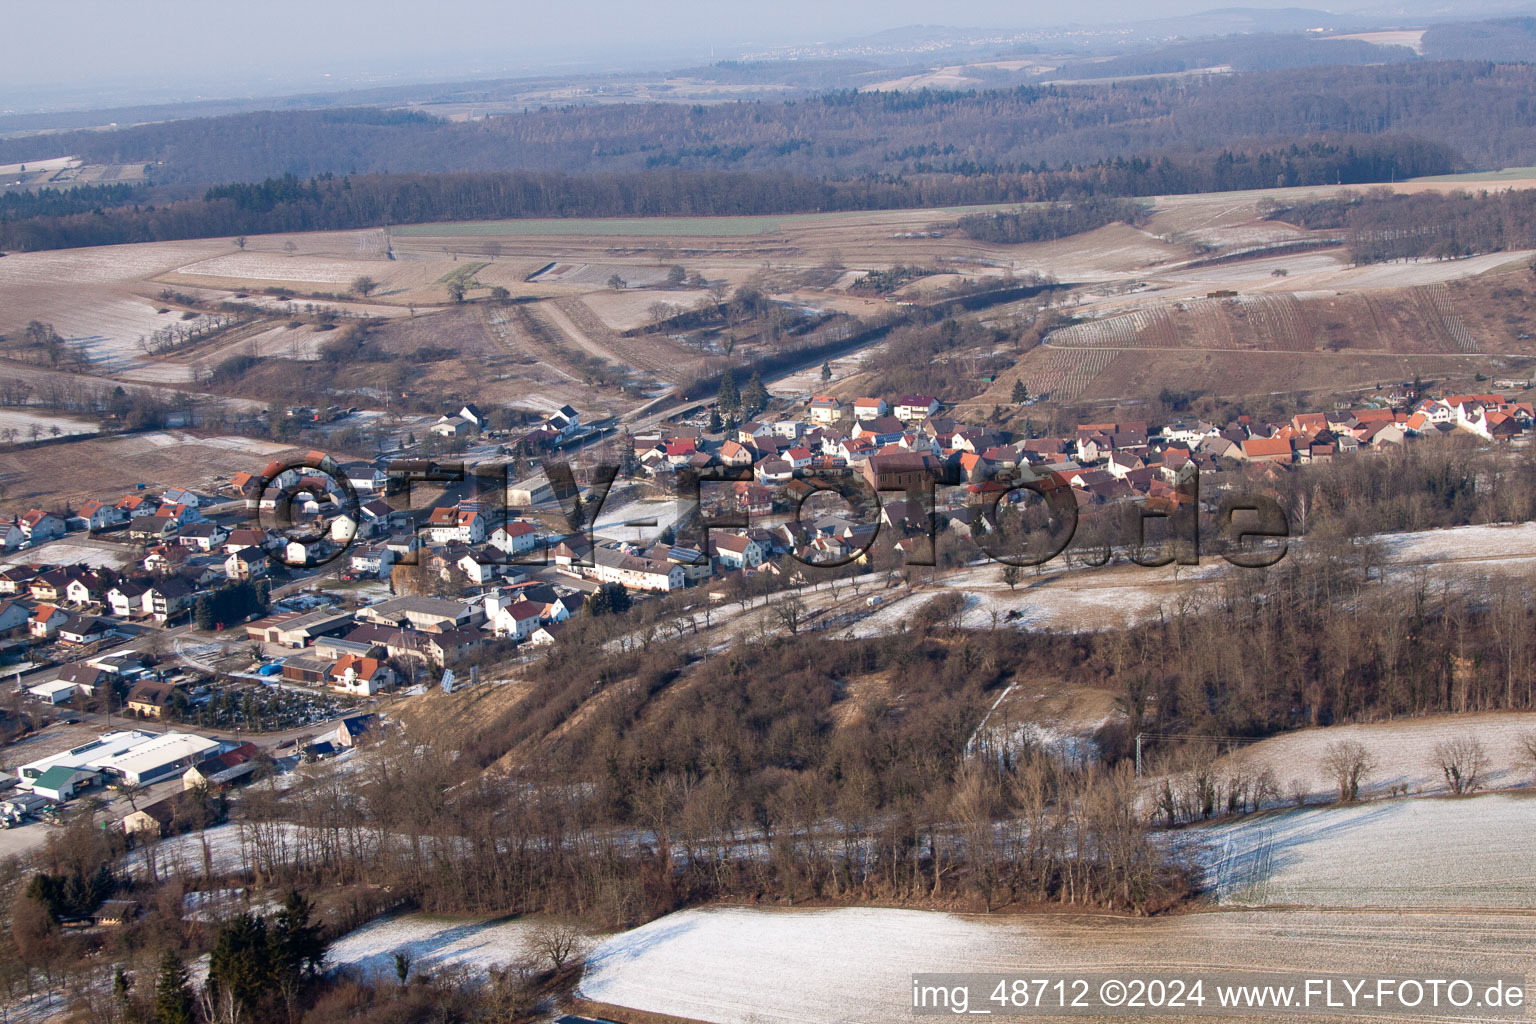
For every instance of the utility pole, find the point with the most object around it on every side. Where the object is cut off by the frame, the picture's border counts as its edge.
(1138, 754)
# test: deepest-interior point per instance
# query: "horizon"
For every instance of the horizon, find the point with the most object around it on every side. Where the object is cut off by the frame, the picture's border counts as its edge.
(158, 54)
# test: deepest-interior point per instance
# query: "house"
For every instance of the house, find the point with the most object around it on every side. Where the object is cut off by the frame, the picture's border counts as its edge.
(59, 691)
(614, 565)
(737, 551)
(126, 599)
(364, 477)
(362, 676)
(824, 409)
(11, 536)
(774, 470)
(39, 526)
(879, 431)
(138, 506)
(17, 578)
(517, 620)
(479, 568)
(61, 782)
(869, 408)
(514, 538)
(98, 515)
(156, 819)
(150, 698)
(468, 420)
(202, 536)
(84, 629)
(547, 634)
(916, 407)
(13, 615)
(464, 523)
(1267, 449)
(244, 537)
(374, 560)
(90, 587)
(46, 621)
(86, 678)
(735, 454)
(247, 564)
(565, 421)
(167, 598)
(226, 769)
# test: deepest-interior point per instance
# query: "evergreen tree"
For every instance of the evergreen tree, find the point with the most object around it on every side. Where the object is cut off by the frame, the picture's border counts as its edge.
(714, 421)
(754, 398)
(1020, 392)
(298, 950)
(202, 612)
(826, 370)
(173, 992)
(729, 398)
(241, 961)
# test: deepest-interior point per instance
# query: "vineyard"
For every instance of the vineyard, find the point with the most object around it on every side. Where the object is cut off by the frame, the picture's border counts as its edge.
(1065, 373)
(1421, 319)
(1145, 328)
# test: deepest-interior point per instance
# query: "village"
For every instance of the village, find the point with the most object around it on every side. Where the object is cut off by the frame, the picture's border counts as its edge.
(350, 593)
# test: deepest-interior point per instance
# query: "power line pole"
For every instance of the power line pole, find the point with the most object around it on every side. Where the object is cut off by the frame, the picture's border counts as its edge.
(1138, 754)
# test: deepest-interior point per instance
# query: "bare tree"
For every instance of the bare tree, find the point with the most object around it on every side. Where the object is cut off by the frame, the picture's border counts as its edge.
(790, 612)
(1349, 763)
(558, 943)
(240, 242)
(1462, 760)
(363, 285)
(290, 247)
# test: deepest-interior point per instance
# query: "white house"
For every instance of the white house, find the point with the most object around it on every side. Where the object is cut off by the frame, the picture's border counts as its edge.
(916, 407)
(363, 676)
(517, 620)
(98, 515)
(515, 537)
(824, 409)
(737, 551)
(38, 525)
(869, 408)
(463, 523)
(365, 477)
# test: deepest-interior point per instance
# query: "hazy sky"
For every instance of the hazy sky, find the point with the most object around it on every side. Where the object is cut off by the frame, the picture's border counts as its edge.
(185, 49)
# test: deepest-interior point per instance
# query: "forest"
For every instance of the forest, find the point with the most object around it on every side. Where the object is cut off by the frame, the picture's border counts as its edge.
(1055, 220)
(328, 202)
(1478, 111)
(1380, 225)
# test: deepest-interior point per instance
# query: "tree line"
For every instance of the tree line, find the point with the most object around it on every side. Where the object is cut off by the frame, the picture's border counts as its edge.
(1477, 110)
(327, 202)
(1381, 225)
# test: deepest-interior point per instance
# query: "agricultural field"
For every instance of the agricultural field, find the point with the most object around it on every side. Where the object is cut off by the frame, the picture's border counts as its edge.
(110, 467)
(1410, 854)
(739, 965)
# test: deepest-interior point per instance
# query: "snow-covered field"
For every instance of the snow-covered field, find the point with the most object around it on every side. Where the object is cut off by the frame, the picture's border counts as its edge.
(73, 549)
(1403, 752)
(22, 422)
(612, 519)
(1472, 852)
(746, 965)
(432, 942)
